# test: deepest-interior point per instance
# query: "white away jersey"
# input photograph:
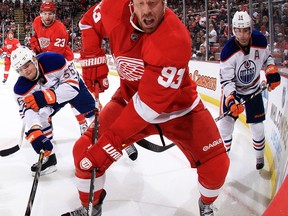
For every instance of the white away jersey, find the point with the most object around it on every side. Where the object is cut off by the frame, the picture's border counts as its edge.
(240, 71)
(55, 73)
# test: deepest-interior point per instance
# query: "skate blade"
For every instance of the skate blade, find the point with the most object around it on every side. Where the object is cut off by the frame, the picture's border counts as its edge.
(46, 171)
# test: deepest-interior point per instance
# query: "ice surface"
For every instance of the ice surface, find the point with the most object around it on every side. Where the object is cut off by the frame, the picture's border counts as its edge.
(156, 184)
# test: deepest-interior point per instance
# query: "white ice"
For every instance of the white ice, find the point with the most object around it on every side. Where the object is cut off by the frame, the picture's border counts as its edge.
(156, 184)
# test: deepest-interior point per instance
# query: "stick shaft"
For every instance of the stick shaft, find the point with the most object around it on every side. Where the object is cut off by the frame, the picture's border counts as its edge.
(95, 138)
(35, 184)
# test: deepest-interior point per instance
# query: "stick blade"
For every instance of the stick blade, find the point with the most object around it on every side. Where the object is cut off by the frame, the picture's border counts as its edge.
(9, 151)
(153, 147)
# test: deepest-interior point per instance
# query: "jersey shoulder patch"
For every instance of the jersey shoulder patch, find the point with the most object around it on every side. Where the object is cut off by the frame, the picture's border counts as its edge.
(23, 86)
(258, 39)
(229, 49)
(50, 61)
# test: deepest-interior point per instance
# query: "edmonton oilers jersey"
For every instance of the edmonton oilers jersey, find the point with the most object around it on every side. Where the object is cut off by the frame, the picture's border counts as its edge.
(239, 68)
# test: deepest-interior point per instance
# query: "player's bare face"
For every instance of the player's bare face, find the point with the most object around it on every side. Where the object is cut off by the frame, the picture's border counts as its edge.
(149, 13)
(243, 35)
(28, 70)
(10, 36)
(47, 17)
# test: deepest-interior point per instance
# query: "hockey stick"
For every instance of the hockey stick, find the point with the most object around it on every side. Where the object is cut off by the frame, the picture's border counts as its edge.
(95, 138)
(35, 184)
(153, 147)
(259, 91)
(9, 151)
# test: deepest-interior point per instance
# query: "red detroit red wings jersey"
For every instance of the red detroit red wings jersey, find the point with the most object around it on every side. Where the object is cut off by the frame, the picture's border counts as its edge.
(10, 45)
(153, 67)
(53, 38)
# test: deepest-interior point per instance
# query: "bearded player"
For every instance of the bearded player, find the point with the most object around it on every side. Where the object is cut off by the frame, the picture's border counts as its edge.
(242, 59)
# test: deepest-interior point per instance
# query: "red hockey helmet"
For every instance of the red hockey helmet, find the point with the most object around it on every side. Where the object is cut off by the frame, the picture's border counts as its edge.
(10, 32)
(48, 6)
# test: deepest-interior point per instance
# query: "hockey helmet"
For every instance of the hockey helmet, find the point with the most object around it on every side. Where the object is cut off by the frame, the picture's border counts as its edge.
(21, 56)
(46, 10)
(241, 19)
(48, 6)
(10, 32)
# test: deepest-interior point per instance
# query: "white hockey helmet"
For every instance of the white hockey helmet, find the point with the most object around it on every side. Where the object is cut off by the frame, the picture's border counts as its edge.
(21, 56)
(241, 19)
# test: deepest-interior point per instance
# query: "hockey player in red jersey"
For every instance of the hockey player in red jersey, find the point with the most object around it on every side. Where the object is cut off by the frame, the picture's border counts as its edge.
(152, 49)
(51, 35)
(10, 44)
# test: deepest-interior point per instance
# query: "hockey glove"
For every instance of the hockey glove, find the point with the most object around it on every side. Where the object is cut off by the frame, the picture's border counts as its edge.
(38, 140)
(234, 106)
(4, 54)
(40, 99)
(273, 77)
(102, 154)
(94, 70)
(34, 45)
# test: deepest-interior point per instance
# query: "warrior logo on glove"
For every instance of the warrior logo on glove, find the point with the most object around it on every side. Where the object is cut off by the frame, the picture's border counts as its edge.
(85, 164)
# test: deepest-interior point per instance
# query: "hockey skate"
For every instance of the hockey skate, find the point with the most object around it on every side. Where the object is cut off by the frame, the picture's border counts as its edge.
(205, 209)
(48, 165)
(83, 127)
(4, 80)
(132, 152)
(82, 211)
(259, 163)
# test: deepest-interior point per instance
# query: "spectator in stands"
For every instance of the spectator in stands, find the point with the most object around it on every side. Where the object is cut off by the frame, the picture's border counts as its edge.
(256, 20)
(265, 11)
(194, 29)
(222, 14)
(27, 39)
(197, 44)
(281, 48)
(277, 30)
(265, 22)
(264, 31)
(277, 16)
(202, 21)
(201, 33)
(222, 32)
(212, 35)
(201, 54)
(284, 17)
(203, 41)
